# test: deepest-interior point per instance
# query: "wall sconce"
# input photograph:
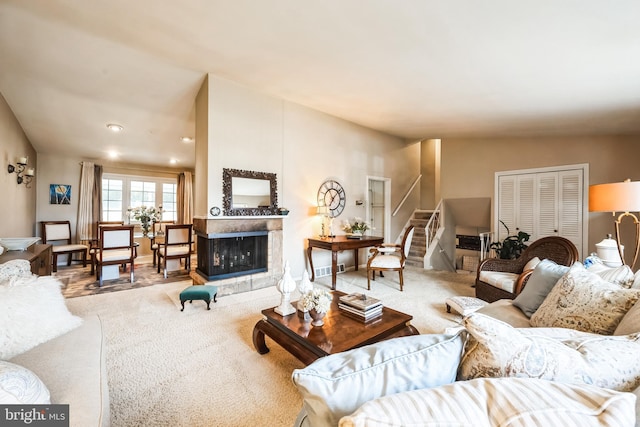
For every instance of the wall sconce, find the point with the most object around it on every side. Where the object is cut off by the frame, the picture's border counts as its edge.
(24, 175)
(621, 197)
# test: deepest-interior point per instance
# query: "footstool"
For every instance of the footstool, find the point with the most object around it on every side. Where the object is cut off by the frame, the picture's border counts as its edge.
(464, 305)
(205, 293)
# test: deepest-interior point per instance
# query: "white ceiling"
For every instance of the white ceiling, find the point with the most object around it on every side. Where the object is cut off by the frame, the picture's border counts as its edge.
(413, 68)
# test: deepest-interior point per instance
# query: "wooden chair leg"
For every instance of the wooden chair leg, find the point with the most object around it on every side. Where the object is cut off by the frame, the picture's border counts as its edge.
(369, 281)
(54, 267)
(401, 280)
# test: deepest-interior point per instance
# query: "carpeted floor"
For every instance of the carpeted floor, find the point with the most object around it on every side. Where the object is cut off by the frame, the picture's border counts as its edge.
(78, 281)
(199, 367)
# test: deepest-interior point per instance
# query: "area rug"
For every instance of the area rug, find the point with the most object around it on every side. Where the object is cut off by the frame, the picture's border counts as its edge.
(199, 368)
(78, 281)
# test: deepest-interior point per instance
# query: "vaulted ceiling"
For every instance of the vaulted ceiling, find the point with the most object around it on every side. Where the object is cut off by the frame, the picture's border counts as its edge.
(413, 68)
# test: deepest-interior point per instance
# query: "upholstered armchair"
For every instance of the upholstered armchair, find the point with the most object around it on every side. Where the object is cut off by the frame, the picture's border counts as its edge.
(505, 278)
(389, 257)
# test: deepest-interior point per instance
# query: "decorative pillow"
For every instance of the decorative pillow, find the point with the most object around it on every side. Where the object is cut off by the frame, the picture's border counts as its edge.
(533, 263)
(488, 402)
(19, 385)
(621, 276)
(582, 300)
(32, 311)
(630, 323)
(636, 280)
(545, 275)
(338, 384)
(499, 350)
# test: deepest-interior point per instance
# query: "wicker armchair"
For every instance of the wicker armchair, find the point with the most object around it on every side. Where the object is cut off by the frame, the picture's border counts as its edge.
(511, 274)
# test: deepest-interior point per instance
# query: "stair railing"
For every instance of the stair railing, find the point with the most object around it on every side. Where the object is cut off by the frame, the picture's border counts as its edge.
(404, 199)
(432, 227)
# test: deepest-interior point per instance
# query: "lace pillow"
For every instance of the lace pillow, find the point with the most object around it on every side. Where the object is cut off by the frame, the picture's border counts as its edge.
(584, 301)
(498, 350)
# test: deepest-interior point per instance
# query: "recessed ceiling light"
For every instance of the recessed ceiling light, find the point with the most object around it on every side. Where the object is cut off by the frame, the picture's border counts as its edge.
(173, 161)
(113, 154)
(186, 139)
(115, 127)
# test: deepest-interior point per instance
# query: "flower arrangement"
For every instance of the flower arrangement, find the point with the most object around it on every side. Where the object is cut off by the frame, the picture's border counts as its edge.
(356, 226)
(146, 215)
(318, 300)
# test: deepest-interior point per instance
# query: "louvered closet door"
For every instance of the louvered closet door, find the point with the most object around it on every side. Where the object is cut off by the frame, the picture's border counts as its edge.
(547, 205)
(542, 203)
(570, 209)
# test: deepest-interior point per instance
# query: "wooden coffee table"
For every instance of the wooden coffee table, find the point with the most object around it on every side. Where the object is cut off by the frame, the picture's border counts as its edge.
(339, 333)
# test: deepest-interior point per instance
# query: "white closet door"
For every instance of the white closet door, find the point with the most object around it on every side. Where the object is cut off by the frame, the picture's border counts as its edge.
(506, 205)
(570, 210)
(547, 205)
(526, 215)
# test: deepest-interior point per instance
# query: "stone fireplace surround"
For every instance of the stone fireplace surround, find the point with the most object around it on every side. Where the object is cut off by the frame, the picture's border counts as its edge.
(211, 227)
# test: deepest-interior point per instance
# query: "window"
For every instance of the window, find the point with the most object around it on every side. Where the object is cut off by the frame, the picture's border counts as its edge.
(119, 192)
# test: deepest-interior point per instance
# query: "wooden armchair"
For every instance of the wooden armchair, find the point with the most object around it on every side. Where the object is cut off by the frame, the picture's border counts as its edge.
(389, 257)
(505, 278)
(58, 234)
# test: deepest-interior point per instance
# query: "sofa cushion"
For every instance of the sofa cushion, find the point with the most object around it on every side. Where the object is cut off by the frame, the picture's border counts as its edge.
(32, 311)
(19, 386)
(545, 275)
(336, 385)
(73, 366)
(584, 301)
(496, 349)
(507, 402)
(504, 310)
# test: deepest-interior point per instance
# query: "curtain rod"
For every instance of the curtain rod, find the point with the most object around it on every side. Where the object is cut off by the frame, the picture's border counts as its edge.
(146, 170)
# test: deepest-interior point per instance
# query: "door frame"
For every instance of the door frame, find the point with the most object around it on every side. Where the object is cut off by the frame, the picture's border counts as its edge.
(387, 204)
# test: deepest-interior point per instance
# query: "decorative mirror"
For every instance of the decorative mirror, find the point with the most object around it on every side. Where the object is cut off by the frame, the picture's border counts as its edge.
(249, 193)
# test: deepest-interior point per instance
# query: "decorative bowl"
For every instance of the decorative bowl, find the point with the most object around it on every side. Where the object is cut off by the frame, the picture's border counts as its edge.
(18, 243)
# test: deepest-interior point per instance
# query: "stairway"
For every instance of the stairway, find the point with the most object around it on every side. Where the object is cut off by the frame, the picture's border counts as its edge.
(418, 247)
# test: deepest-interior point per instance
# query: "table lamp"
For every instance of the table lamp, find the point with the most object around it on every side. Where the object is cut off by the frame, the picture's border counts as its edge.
(324, 211)
(623, 197)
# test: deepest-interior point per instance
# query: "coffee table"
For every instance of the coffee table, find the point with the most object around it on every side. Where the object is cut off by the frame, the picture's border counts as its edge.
(339, 333)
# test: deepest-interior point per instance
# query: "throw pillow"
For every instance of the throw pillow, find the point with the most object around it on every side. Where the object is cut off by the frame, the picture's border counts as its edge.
(15, 268)
(32, 311)
(545, 275)
(488, 402)
(499, 350)
(338, 384)
(582, 300)
(621, 276)
(630, 323)
(20, 386)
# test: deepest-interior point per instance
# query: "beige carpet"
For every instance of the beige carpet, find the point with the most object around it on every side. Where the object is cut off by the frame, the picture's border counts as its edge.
(199, 367)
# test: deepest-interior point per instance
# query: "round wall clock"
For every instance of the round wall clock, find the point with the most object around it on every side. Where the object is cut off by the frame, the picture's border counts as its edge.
(214, 211)
(332, 195)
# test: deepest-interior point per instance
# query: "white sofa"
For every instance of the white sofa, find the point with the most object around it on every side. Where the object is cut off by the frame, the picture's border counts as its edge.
(450, 377)
(68, 360)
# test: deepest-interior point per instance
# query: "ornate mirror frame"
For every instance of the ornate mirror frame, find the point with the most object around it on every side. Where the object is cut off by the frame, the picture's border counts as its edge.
(227, 193)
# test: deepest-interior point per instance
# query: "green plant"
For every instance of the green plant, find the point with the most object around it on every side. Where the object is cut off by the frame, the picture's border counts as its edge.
(512, 246)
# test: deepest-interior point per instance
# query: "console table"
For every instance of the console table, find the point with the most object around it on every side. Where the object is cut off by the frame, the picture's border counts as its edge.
(39, 255)
(337, 244)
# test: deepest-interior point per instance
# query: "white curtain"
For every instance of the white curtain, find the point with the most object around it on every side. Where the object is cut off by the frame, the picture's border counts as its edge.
(84, 227)
(185, 198)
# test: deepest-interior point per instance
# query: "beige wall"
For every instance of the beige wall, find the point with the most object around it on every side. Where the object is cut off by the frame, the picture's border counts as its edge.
(469, 165)
(303, 147)
(18, 207)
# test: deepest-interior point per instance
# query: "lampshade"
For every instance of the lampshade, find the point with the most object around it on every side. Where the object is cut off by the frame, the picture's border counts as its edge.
(615, 197)
(322, 210)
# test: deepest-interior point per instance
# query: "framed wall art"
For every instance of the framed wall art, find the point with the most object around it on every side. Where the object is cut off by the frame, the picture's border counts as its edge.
(59, 194)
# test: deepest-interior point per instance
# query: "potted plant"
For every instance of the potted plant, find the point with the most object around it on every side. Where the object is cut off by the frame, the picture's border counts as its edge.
(512, 246)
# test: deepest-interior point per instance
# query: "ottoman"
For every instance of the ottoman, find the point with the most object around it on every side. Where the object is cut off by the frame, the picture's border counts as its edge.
(205, 293)
(464, 305)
